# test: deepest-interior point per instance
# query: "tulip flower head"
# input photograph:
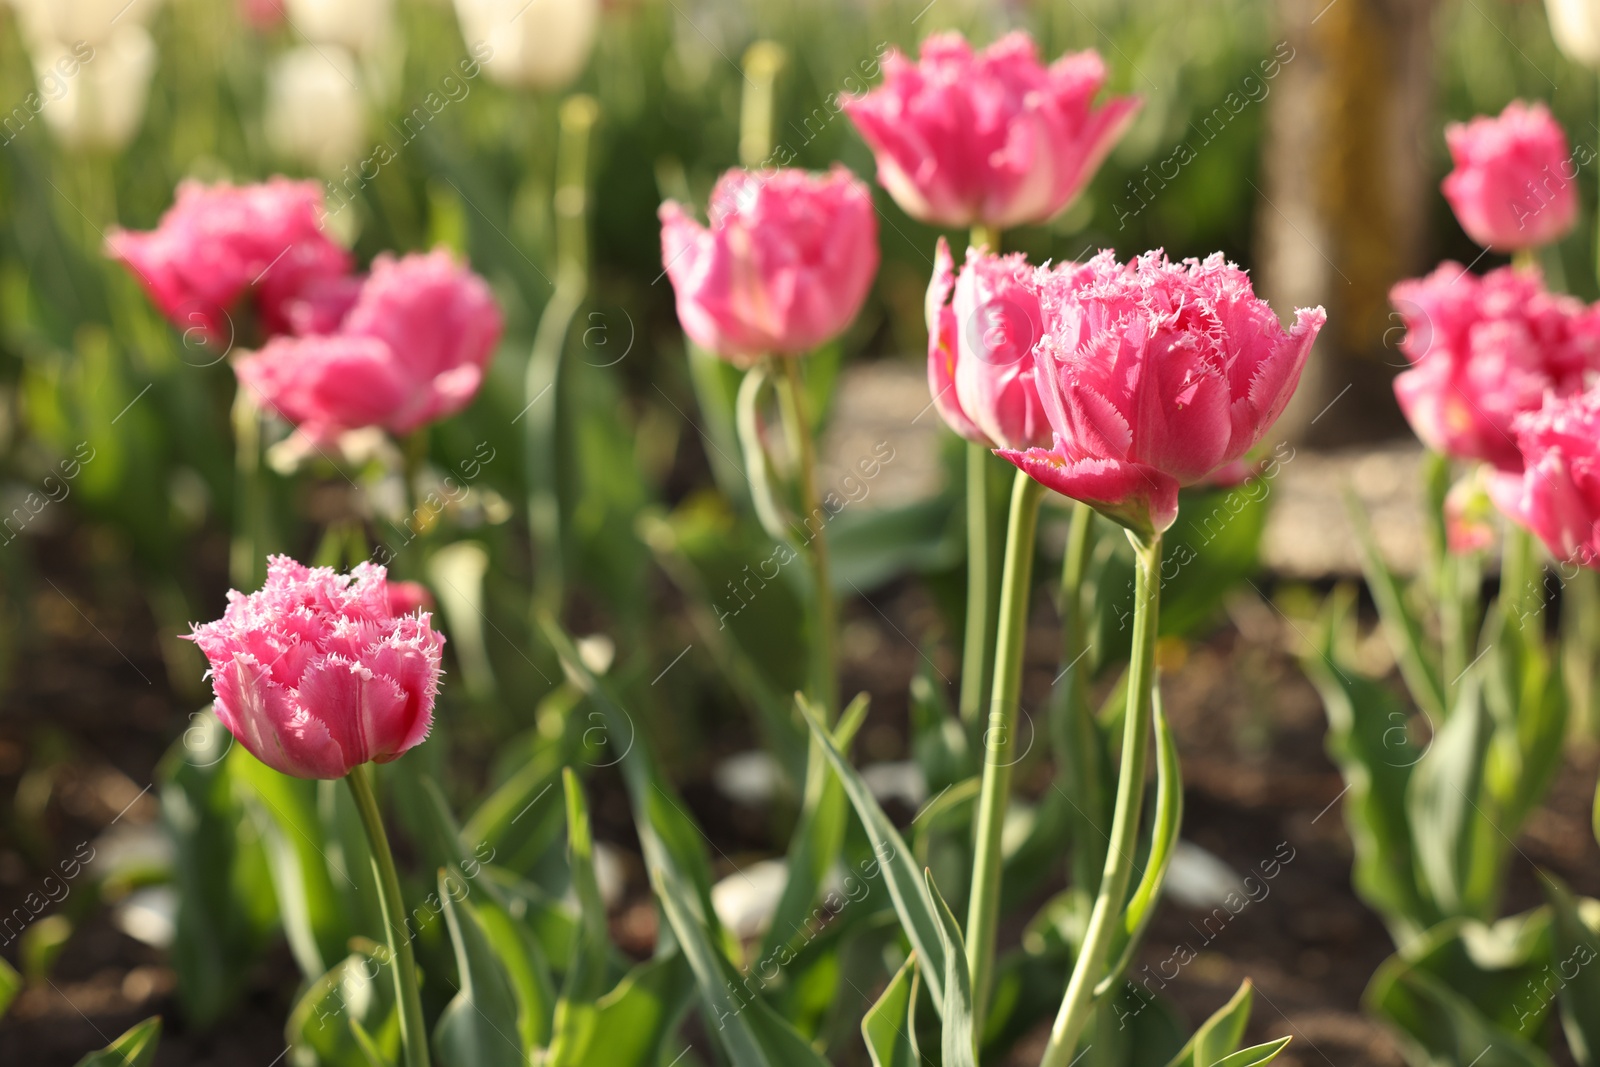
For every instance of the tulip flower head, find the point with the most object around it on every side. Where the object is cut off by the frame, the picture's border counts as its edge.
(784, 266)
(992, 137)
(533, 44)
(315, 674)
(980, 344)
(1575, 24)
(218, 242)
(1557, 494)
(1485, 349)
(1153, 376)
(1514, 183)
(412, 348)
(315, 114)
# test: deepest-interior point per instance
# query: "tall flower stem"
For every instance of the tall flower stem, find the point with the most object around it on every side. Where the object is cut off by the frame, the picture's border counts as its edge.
(982, 560)
(1073, 723)
(813, 534)
(983, 910)
(413, 1033)
(247, 551)
(1078, 1004)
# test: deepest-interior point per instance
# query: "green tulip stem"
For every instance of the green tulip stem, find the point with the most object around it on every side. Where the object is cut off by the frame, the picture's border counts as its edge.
(982, 560)
(413, 1032)
(1077, 1005)
(813, 535)
(999, 749)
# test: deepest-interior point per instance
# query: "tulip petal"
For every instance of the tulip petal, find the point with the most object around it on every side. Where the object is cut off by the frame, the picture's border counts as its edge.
(272, 725)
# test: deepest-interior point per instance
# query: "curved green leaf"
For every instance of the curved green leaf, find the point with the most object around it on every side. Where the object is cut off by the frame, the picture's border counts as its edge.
(633, 1022)
(479, 1026)
(1220, 1034)
(907, 889)
(1403, 628)
(136, 1048)
(884, 1027)
(959, 1040)
(1255, 1055)
(1575, 946)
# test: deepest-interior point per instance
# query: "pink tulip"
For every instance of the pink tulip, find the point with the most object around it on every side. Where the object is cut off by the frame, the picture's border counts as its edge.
(262, 15)
(1514, 180)
(406, 598)
(217, 242)
(315, 675)
(1483, 351)
(1154, 376)
(411, 349)
(784, 267)
(1557, 495)
(994, 137)
(980, 366)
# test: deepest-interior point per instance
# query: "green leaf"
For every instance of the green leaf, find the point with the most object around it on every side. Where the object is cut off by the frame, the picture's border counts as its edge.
(751, 1033)
(521, 818)
(1255, 1055)
(1456, 842)
(345, 1011)
(586, 977)
(10, 985)
(1367, 739)
(136, 1048)
(817, 837)
(1220, 1035)
(884, 1028)
(1402, 627)
(479, 1026)
(1575, 946)
(1165, 825)
(907, 888)
(1437, 1025)
(226, 906)
(633, 1022)
(315, 919)
(959, 1040)
(526, 969)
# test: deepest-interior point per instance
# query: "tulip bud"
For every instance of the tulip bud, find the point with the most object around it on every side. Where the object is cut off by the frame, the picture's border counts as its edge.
(411, 349)
(1575, 24)
(535, 44)
(359, 25)
(1485, 349)
(993, 137)
(980, 349)
(1557, 495)
(784, 266)
(102, 105)
(315, 674)
(315, 114)
(1515, 183)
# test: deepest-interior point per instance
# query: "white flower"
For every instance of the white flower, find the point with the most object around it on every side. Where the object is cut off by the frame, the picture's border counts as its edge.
(315, 113)
(53, 22)
(359, 25)
(101, 103)
(537, 44)
(1575, 24)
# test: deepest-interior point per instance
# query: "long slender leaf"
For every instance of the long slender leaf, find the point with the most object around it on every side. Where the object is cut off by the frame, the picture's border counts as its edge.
(884, 1026)
(633, 1022)
(1445, 803)
(817, 836)
(1219, 1035)
(575, 1011)
(1255, 1055)
(959, 1043)
(752, 1034)
(1403, 628)
(907, 888)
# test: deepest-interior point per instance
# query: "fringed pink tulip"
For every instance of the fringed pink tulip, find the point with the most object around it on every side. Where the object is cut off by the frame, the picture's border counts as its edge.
(411, 349)
(1153, 377)
(992, 137)
(1514, 183)
(1485, 349)
(217, 242)
(980, 344)
(1557, 495)
(316, 675)
(784, 266)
